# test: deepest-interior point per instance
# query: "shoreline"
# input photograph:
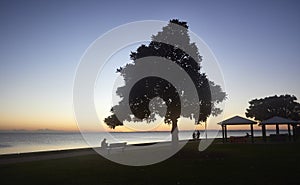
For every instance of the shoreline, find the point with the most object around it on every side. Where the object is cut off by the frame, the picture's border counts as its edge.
(44, 155)
(74, 152)
(15, 145)
(65, 153)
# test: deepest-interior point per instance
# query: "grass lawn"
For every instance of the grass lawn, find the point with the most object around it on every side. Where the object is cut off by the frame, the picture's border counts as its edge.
(220, 164)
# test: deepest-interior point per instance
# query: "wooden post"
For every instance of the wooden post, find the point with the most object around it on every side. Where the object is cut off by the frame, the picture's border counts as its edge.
(252, 137)
(263, 128)
(277, 129)
(289, 131)
(294, 132)
(225, 133)
(223, 136)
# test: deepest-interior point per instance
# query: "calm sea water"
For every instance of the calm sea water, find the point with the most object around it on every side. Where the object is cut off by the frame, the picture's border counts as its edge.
(12, 142)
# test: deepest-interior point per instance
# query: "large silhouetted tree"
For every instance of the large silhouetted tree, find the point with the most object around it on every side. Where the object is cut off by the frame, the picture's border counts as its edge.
(171, 44)
(265, 108)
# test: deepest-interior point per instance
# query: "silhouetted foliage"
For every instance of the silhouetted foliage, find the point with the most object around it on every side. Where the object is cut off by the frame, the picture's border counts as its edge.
(167, 44)
(265, 108)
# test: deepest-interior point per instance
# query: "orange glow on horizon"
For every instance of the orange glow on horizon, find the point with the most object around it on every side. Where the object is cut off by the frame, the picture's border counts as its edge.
(69, 124)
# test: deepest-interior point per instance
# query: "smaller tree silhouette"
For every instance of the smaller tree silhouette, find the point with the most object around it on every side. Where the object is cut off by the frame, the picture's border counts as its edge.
(265, 108)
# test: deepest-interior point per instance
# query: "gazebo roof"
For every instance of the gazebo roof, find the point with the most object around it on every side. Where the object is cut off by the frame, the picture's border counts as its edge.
(237, 120)
(278, 120)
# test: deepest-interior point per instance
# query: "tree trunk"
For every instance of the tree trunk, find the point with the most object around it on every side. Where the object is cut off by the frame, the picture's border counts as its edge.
(174, 133)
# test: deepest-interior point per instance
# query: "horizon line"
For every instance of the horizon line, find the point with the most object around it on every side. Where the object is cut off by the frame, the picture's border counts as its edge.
(78, 131)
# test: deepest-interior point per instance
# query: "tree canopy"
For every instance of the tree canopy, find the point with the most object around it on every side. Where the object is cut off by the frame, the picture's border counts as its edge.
(171, 43)
(284, 106)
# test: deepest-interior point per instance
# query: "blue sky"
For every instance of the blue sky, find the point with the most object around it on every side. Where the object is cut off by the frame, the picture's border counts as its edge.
(257, 45)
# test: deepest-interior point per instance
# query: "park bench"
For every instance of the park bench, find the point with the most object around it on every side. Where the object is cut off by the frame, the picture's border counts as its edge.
(238, 139)
(120, 146)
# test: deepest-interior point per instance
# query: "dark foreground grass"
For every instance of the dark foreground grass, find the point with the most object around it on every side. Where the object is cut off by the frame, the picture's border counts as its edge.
(220, 164)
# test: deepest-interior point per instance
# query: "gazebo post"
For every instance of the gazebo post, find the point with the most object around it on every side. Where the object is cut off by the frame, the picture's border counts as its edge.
(277, 129)
(225, 128)
(223, 137)
(263, 128)
(289, 131)
(252, 137)
(294, 132)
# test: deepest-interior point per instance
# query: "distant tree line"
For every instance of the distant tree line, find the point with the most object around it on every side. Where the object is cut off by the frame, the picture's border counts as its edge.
(283, 106)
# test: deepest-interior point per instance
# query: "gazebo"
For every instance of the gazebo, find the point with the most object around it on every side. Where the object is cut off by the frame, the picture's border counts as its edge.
(236, 120)
(276, 120)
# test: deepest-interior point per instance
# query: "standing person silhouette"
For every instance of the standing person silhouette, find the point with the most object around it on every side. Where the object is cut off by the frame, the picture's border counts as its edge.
(194, 135)
(198, 134)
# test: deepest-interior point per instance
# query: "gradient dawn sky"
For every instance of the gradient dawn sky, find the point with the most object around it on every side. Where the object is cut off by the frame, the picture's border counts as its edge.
(257, 44)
